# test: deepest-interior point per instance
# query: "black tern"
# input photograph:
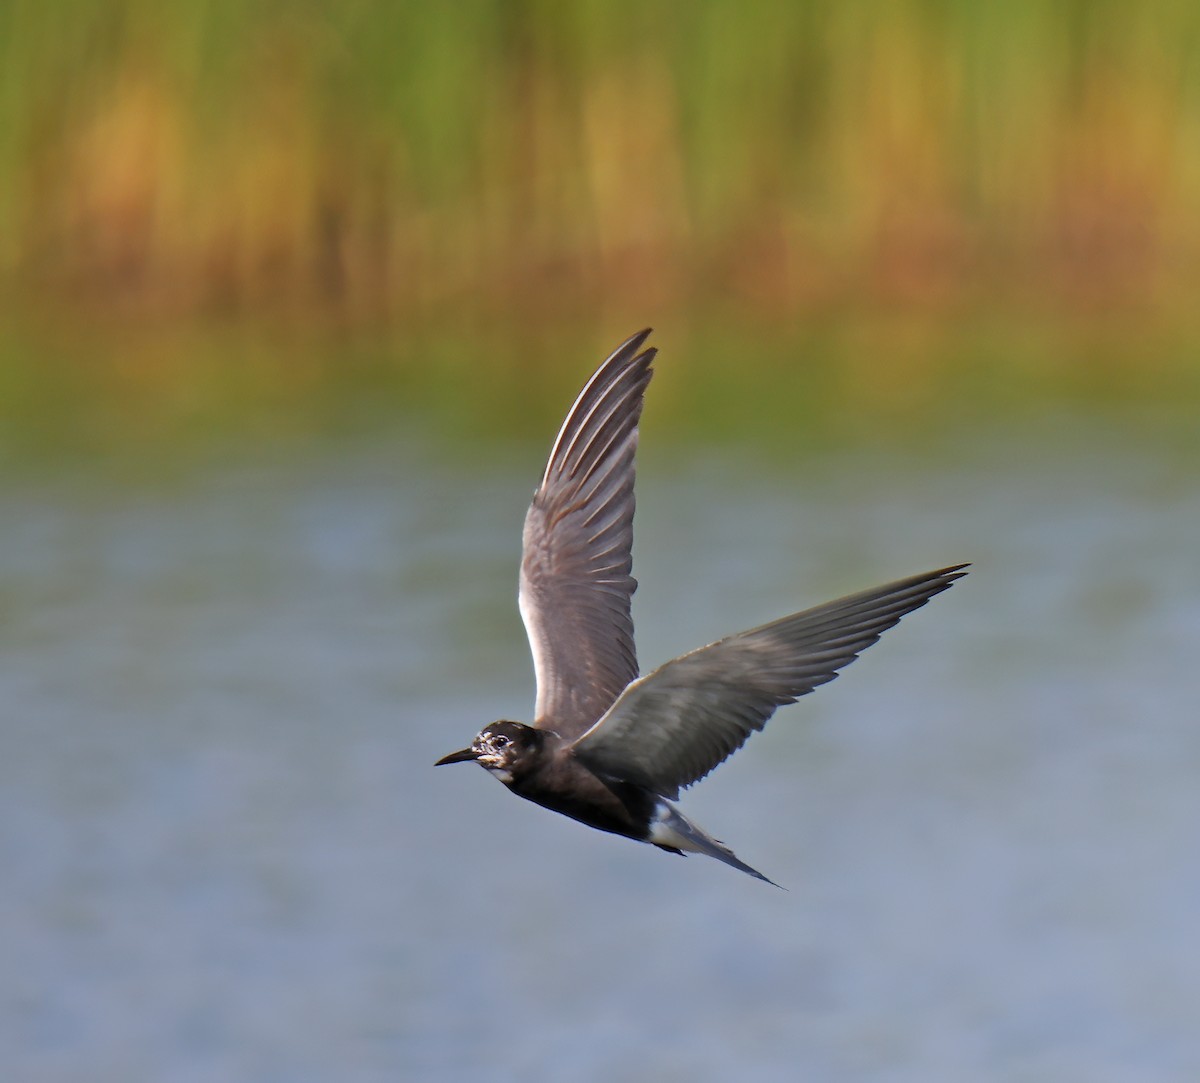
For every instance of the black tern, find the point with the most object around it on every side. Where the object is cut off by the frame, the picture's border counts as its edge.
(608, 747)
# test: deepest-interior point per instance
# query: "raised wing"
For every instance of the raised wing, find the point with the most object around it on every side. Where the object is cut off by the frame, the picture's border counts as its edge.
(673, 726)
(576, 584)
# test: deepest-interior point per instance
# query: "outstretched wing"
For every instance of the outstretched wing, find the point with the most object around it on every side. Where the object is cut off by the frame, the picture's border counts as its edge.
(576, 584)
(673, 726)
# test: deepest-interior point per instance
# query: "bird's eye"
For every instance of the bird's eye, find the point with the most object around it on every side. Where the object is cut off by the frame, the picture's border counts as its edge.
(500, 741)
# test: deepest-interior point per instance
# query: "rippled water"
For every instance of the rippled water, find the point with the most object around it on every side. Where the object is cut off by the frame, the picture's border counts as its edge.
(227, 856)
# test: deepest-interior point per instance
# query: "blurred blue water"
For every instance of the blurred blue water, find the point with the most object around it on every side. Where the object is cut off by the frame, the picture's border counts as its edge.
(226, 853)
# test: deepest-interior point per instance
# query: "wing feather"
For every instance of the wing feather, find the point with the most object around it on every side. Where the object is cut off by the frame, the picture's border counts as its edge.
(576, 581)
(671, 727)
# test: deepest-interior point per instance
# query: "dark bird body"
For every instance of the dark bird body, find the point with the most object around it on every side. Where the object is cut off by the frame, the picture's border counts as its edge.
(607, 747)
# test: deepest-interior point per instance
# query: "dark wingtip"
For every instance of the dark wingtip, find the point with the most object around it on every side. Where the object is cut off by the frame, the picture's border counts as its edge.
(625, 356)
(942, 577)
(933, 583)
(634, 343)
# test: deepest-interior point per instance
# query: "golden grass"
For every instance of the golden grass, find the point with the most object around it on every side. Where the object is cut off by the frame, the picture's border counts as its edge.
(384, 160)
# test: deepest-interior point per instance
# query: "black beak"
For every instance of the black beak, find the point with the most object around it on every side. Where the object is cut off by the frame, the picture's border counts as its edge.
(458, 757)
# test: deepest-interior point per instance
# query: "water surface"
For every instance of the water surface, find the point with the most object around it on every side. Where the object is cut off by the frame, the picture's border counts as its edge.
(227, 854)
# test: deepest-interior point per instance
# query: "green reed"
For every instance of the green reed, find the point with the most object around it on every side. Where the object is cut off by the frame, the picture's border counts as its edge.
(381, 158)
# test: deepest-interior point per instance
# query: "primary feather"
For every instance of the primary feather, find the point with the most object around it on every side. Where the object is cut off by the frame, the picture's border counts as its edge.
(576, 560)
(671, 727)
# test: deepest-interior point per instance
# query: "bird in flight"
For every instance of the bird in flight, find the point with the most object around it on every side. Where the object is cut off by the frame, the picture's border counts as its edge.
(608, 747)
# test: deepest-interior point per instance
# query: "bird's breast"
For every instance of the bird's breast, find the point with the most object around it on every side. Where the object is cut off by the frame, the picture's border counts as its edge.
(565, 786)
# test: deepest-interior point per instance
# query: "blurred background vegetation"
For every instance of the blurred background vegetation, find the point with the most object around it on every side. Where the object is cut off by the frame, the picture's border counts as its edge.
(293, 294)
(218, 211)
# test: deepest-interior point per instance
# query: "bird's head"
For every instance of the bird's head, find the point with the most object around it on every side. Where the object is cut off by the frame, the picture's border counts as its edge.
(499, 747)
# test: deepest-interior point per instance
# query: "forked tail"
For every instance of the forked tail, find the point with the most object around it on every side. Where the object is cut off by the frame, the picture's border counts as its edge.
(671, 830)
